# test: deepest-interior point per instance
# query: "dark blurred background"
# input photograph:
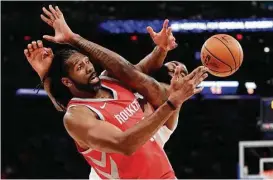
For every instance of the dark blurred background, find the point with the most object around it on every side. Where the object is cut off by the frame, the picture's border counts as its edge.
(205, 144)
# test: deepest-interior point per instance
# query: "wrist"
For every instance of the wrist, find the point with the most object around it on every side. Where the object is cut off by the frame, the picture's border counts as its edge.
(161, 49)
(73, 38)
(175, 101)
(171, 105)
(42, 77)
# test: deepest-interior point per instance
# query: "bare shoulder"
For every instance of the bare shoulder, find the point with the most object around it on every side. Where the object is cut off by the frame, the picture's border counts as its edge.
(77, 115)
(77, 122)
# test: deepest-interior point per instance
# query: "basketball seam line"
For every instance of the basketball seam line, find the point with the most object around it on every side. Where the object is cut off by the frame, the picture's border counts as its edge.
(219, 71)
(240, 62)
(228, 50)
(219, 59)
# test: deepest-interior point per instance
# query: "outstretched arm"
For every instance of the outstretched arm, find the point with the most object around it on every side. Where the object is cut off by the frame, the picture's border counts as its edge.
(111, 61)
(165, 42)
(152, 61)
(122, 70)
(40, 58)
(149, 63)
(127, 142)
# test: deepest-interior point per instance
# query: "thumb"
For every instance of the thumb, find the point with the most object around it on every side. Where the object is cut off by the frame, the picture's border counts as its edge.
(49, 38)
(49, 51)
(151, 31)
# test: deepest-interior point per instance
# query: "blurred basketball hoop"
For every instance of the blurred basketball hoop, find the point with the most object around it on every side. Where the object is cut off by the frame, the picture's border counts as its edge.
(255, 159)
(266, 175)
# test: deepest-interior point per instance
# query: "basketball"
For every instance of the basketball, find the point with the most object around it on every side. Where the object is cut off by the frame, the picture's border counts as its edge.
(222, 55)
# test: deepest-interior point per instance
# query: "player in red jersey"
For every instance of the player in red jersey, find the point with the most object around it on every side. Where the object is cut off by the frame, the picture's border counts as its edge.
(163, 75)
(116, 142)
(40, 54)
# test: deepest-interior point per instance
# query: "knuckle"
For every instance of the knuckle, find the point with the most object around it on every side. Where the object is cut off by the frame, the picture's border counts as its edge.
(189, 84)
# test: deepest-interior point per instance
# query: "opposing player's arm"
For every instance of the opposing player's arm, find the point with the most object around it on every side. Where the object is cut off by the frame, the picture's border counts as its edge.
(165, 42)
(149, 63)
(152, 61)
(58, 106)
(85, 128)
(172, 122)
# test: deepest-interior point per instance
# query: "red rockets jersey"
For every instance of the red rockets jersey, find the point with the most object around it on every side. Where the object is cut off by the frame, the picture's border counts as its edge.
(123, 111)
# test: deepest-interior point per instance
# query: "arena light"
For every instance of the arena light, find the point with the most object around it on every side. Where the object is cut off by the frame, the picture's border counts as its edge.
(219, 87)
(139, 26)
(30, 92)
(27, 38)
(209, 96)
(250, 86)
(219, 84)
(239, 36)
(266, 49)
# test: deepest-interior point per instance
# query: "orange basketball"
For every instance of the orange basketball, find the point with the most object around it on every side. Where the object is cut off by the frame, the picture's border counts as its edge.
(222, 54)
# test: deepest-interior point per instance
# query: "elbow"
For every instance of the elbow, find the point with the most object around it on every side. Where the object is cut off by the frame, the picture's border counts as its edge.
(126, 147)
(129, 151)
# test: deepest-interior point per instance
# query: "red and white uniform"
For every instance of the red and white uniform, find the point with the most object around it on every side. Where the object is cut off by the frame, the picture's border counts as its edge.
(123, 111)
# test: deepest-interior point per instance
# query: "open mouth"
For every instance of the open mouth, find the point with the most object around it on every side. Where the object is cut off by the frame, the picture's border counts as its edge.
(93, 78)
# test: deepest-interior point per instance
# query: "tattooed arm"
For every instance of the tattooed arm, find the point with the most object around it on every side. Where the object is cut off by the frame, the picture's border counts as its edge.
(111, 61)
(149, 63)
(165, 42)
(122, 70)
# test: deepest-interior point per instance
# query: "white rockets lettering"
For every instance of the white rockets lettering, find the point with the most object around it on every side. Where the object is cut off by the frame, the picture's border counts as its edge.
(127, 112)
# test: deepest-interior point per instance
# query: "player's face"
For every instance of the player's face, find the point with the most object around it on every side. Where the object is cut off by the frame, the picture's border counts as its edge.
(82, 73)
(171, 68)
(173, 64)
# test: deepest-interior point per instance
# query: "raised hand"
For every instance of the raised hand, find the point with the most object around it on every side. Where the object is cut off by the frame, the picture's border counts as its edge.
(164, 38)
(54, 18)
(39, 57)
(182, 88)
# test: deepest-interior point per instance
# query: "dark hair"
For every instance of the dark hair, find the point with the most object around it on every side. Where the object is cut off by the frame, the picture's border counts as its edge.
(59, 69)
(162, 75)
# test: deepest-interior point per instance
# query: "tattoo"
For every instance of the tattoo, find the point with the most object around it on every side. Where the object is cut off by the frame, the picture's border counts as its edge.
(122, 70)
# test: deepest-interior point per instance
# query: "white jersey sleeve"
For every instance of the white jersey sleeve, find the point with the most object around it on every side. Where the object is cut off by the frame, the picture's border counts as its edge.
(163, 135)
(93, 175)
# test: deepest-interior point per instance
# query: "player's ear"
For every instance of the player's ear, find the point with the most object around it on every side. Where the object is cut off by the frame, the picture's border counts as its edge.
(66, 81)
